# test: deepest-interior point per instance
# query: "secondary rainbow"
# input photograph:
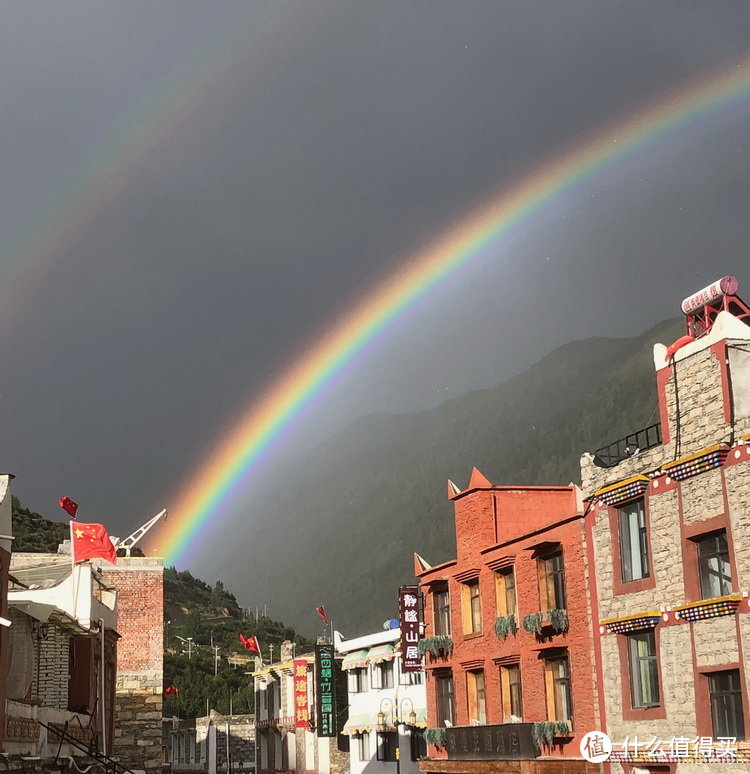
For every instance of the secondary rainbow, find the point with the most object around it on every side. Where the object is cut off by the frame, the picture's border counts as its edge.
(236, 457)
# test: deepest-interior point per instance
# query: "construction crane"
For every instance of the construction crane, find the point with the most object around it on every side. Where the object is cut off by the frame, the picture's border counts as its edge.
(128, 543)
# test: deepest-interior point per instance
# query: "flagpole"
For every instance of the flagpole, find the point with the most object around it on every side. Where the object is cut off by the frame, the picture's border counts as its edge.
(73, 574)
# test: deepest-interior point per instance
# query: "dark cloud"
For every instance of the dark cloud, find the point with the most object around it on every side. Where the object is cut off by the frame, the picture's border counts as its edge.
(338, 142)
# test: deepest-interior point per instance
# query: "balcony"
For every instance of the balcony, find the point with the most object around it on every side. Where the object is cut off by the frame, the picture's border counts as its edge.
(508, 741)
(614, 453)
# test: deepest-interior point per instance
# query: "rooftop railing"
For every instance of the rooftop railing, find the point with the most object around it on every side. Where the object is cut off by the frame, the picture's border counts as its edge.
(614, 453)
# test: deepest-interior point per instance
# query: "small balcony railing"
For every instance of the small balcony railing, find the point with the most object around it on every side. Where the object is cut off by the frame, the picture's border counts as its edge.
(614, 453)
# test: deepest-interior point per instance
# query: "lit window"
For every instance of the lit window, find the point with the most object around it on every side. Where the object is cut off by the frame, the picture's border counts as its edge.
(644, 671)
(633, 541)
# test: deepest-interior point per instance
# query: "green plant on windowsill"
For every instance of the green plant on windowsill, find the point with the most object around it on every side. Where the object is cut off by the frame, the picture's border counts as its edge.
(532, 623)
(505, 625)
(439, 646)
(435, 736)
(558, 618)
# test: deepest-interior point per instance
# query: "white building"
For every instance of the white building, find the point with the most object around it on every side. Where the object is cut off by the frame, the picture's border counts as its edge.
(387, 708)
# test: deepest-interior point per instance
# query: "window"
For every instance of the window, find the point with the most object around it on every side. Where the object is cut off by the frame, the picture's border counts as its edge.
(644, 671)
(444, 690)
(363, 746)
(510, 684)
(726, 704)
(557, 680)
(471, 607)
(418, 745)
(633, 541)
(358, 680)
(441, 605)
(382, 675)
(410, 678)
(387, 745)
(713, 565)
(505, 588)
(477, 698)
(552, 581)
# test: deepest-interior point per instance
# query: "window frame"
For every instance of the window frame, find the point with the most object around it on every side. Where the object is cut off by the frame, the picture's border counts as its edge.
(445, 700)
(552, 583)
(635, 674)
(363, 746)
(387, 744)
(705, 574)
(618, 585)
(383, 675)
(642, 541)
(358, 680)
(476, 693)
(714, 696)
(441, 610)
(506, 592)
(507, 693)
(559, 702)
(471, 607)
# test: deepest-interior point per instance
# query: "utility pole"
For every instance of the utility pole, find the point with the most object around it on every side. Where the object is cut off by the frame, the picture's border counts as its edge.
(216, 658)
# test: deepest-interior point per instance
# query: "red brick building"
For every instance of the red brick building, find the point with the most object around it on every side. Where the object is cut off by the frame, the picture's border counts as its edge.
(508, 644)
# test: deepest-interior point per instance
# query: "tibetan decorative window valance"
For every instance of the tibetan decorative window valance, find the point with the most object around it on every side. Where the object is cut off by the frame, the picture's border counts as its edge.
(695, 464)
(614, 494)
(709, 608)
(632, 623)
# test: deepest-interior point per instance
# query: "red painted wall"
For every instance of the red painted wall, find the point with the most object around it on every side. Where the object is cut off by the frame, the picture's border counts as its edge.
(523, 518)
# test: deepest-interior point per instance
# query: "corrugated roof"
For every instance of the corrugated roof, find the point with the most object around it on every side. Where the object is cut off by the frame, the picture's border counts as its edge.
(42, 576)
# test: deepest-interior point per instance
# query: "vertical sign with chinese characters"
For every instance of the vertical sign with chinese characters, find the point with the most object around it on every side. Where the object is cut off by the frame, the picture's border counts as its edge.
(409, 610)
(325, 690)
(301, 711)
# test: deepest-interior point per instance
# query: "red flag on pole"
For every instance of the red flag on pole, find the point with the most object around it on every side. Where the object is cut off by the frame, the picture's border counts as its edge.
(322, 613)
(69, 506)
(250, 643)
(171, 690)
(91, 541)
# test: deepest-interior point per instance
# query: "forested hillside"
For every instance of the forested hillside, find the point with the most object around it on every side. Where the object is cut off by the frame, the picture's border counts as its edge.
(342, 529)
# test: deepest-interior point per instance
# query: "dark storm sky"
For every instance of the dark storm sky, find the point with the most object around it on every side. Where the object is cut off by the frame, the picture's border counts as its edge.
(342, 136)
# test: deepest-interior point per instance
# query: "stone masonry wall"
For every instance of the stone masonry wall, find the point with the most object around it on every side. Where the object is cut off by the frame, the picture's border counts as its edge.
(139, 691)
(50, 681)
(241, 742)
(676, 510)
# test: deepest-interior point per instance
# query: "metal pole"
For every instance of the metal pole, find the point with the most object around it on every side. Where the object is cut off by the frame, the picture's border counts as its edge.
(102, 701)
(228, 762)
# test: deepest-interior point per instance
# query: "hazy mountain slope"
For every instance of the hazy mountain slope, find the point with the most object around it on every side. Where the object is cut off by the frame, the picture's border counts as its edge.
(342, 530)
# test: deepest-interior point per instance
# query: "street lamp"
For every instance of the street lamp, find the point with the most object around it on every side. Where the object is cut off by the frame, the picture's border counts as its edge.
(398, 709)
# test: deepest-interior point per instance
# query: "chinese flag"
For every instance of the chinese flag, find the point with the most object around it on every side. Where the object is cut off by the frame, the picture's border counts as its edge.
(250, 643)
(322, 613)
(91, 541)
(68, 506)
(171, 690)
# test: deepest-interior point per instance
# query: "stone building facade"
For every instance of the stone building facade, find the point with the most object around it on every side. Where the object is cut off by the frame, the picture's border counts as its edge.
(669, 545)
(205, 744)
(508, 645)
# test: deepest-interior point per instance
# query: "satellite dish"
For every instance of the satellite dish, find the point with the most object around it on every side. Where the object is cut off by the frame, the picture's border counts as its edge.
(391, 623)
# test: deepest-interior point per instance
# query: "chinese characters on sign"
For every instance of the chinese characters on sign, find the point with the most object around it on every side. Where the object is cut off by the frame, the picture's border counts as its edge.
(301, 710)
(409, 609)
(325, 685)
(597, 746)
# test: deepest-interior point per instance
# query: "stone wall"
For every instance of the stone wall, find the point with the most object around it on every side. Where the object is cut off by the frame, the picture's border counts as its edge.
(50, 677)
(140, 667)
(675, 512)
(241, 742)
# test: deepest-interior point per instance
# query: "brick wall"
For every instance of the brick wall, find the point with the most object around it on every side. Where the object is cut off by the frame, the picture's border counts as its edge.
(140, 661)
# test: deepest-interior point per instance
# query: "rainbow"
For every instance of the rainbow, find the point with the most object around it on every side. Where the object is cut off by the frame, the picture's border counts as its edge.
(264, 423)
(172, 103)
